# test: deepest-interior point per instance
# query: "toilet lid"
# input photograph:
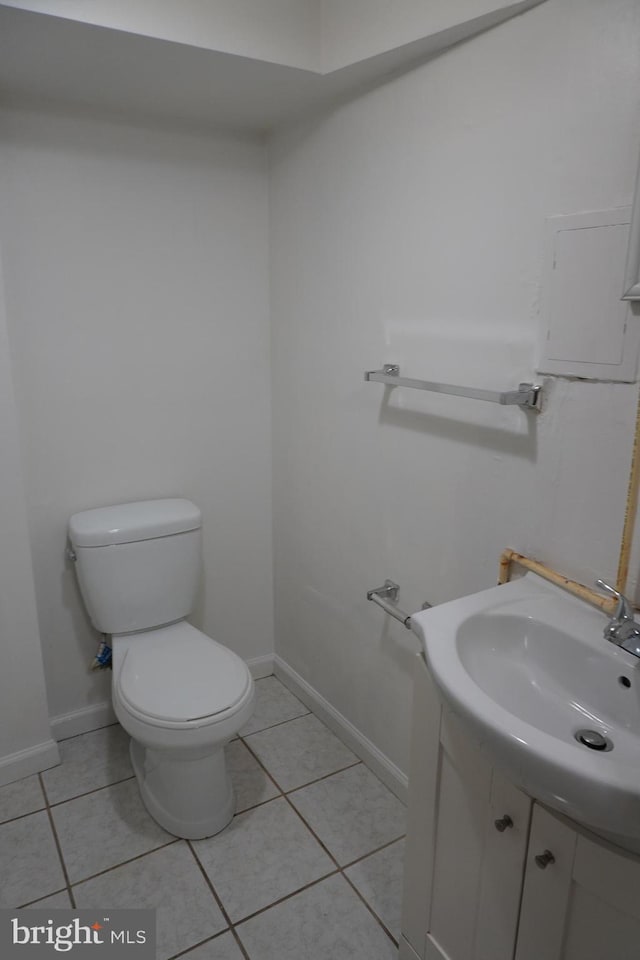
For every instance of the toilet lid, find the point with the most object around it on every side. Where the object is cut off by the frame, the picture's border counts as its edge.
(177, 673)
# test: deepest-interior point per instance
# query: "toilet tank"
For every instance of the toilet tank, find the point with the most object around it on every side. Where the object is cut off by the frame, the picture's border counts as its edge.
(138, 564)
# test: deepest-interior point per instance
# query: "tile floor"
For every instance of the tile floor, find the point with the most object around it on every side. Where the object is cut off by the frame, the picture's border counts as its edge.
(309, 869)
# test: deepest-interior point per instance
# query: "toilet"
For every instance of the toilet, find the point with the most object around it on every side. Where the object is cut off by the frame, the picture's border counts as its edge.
(179, 694)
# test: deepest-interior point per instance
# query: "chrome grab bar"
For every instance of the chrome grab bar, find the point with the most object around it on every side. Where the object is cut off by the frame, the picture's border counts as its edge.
(386, 597)
(527, 395)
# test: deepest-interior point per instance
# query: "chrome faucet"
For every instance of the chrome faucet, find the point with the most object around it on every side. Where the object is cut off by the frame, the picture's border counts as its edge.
(622, 629)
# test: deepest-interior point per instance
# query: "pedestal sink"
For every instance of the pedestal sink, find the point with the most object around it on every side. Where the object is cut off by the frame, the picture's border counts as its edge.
(549, 700)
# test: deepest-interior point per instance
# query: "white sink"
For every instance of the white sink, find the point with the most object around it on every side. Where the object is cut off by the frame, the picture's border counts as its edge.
(526, 666)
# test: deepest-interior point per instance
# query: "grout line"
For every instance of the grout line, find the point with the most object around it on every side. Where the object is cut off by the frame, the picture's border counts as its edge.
(74, 736)
(254, 806)
(314, 834)
(100, 873)
(218, 901)
(58, 845)
(364, 856)
(269, 776)
(261, 764)
(278, 723)
(21, 816)
(370, 909)
(240, 944)
(356, 763)
(54, 893)
(201, 943)
(285, 793)
(58, 803)
(44, 789)
(288, 896)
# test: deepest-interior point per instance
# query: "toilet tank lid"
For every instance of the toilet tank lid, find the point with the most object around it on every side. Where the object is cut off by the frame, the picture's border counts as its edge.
(130, 522)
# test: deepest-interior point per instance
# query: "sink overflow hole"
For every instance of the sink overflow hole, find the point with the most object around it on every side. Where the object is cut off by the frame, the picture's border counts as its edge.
(594, 740)
(624, 681)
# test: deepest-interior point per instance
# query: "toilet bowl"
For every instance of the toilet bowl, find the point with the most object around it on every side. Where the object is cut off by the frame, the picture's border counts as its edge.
(179, 694)
(181, 697)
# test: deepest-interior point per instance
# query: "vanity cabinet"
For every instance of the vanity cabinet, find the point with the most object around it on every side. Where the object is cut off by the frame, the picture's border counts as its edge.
(491, 875)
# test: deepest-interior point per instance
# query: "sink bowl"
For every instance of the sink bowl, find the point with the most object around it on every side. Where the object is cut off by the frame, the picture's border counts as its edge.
(526, 667)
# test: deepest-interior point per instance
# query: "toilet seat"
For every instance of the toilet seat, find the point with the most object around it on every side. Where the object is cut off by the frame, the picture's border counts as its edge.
(177, 677)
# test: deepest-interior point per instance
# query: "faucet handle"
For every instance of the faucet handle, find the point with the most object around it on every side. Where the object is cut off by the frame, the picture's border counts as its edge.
(624, 610)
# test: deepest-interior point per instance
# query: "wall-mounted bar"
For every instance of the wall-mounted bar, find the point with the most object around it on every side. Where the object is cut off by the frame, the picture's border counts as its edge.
(387, 598)
(527, 395)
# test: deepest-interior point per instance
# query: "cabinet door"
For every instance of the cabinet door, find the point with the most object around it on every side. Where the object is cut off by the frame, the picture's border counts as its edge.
(502, 871)
(546, 888)
(585, 905)
(477, 873)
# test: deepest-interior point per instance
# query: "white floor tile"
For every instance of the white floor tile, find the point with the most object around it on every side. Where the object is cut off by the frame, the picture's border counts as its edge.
(105, 828)
(250, 782)
(168, 880)
(29, 858)
(20, 797)
(299, 751)
(221, 948)
(274, 704)
(379, 880)
(88, 762)
(262, 855)
(351, 812)
(326, 922)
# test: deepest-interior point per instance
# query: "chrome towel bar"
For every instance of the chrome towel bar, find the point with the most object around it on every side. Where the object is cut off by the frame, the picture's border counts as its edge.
(386, 597)
(527, 395)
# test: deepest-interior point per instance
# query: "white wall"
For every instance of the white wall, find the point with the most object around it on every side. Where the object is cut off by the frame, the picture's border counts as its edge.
(25, 738)
(137, 295)
(408, 227)
(279, 31)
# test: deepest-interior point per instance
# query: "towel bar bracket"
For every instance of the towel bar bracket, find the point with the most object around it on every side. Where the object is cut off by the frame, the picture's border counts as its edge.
(386, 597)
(389, 591)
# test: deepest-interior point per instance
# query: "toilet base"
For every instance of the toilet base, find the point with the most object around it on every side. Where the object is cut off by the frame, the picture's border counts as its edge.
(191, 798)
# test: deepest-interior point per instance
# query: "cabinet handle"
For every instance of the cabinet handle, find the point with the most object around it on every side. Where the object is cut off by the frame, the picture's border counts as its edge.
(544, 859)
(502, 824)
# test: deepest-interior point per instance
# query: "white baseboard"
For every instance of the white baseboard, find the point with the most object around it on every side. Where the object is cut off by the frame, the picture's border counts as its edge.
(261, 666)
(83, 720)
(388, 772)
(24, 763)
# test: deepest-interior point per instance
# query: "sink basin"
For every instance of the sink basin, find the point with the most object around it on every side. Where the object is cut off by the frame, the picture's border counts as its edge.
(526, 667)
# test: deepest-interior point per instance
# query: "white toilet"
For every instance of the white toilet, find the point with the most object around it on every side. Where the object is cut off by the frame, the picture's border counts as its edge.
(179, 694)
